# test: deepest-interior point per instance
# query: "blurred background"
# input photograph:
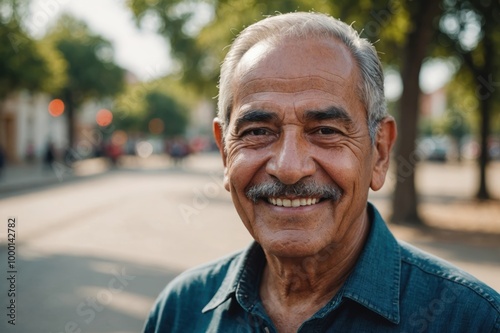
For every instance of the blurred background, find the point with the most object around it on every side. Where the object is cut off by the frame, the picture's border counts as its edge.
(108, 164)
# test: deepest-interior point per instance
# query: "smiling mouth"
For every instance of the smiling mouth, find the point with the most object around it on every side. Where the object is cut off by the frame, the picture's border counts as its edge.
(297, 202)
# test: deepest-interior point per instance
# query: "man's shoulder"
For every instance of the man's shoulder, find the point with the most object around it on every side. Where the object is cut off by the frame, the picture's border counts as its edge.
(438, 274)
(183, 299)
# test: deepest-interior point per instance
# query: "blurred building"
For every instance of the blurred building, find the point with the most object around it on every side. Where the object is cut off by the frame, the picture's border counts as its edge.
(27, 128)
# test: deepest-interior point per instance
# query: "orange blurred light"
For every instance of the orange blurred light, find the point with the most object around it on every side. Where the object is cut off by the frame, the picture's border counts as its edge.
(119, 138)
(104, 117)
(156, 126)
(56, 107)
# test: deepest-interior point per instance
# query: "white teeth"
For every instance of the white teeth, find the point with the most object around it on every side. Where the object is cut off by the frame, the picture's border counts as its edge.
(293, 203)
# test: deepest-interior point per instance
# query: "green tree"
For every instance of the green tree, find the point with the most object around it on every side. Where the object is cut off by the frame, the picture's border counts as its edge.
(416, 47)
(164, 98)
(470, 31)
(176, 17)
(24, 62)
(172, 114)
(91, 71)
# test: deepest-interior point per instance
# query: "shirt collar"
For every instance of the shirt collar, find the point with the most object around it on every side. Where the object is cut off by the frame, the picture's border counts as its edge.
(374, 282)
(242, 278)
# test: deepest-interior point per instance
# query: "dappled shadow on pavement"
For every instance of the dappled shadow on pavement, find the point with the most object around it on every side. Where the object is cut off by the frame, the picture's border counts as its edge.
(71, 293)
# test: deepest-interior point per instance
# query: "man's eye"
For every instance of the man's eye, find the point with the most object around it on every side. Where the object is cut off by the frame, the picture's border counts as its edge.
(256, 132)
(327, 131)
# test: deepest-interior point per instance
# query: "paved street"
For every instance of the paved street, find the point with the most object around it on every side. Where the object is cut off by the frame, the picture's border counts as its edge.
(92, 253)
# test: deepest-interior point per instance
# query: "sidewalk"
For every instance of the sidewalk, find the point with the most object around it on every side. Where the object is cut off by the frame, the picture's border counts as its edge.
(26, 176)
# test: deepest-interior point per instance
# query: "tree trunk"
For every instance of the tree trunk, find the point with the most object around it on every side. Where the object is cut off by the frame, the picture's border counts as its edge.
(405, 200)
(70, 113)
(483, 193)
(485, 92)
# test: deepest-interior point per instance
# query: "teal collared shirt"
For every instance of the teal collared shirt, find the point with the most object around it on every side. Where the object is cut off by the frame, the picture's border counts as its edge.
(394, 287)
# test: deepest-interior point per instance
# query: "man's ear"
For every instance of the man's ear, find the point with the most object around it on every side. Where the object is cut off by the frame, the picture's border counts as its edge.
(219, 140)
(384, 141)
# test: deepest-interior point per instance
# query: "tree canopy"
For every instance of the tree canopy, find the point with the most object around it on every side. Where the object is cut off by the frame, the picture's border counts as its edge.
(26, 63)
(91, 71)
(165, 99)
(470, 32)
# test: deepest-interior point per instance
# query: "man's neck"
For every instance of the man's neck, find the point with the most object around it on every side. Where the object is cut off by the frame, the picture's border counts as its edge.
(293, 289)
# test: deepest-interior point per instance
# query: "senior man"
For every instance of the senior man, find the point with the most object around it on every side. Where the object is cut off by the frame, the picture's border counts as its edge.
(304, 133)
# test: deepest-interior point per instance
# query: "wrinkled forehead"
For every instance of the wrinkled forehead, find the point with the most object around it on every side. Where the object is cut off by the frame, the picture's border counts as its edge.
(295, 65)
(299, 51)
(324, 61)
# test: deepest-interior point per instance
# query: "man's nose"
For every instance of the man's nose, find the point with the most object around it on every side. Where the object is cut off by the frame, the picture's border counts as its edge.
(292, 158)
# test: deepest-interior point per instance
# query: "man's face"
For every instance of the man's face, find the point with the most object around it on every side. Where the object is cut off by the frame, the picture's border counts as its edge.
(297, 119)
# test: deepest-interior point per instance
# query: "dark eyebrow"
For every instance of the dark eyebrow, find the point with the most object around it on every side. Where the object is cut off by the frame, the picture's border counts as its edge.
(332, 112)
(254, 116)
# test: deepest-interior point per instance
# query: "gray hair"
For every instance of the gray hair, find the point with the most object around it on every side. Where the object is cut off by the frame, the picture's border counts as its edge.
(308, 25)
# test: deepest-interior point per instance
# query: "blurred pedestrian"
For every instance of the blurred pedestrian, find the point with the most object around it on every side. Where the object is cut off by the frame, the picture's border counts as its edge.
(114, 152)
(49, 156)
(179, 150)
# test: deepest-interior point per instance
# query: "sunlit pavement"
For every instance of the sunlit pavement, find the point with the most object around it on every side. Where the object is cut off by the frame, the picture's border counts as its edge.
(93, 252)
